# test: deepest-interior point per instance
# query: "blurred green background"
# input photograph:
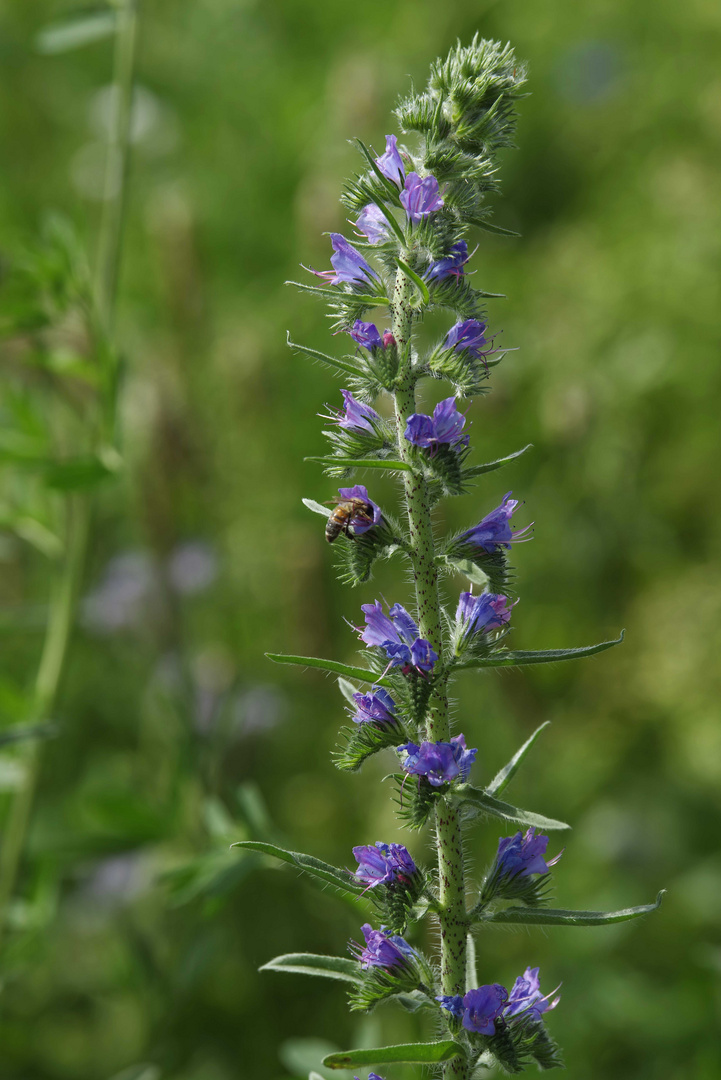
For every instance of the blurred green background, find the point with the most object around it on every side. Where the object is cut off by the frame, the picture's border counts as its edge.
(135, 936)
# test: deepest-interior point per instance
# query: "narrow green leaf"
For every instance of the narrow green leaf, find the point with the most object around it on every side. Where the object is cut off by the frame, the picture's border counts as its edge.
(327, 967)
(466, 567)
(339, 296)
(413, 1053)
(315, 354)
(63, 36)
(481, 223)
(487, 804)
(347, 689)
(363, 674)
(538, 656)
(561, 917)
(388, 184)
(316, 507)
(23, 732)
(363, 463)
(417, 281)
(478, 470)
(333, 875)
(503, 778)
(76, 473)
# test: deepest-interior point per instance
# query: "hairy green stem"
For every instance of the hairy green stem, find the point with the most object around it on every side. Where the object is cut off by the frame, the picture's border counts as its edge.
(452, 909)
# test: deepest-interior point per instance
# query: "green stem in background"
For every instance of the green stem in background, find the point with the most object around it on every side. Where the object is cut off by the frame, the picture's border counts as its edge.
(452, 909)
(64, 596)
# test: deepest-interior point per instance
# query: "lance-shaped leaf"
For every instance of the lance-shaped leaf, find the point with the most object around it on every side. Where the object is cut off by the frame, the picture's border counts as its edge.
(480, 801)
(315, 354)
(350, 672)
(562, 917)
(316, 507)
(73, 33)
(491, 466)
(327, 967)
(333, 875)
(363, 463)
(519, 658)
(341, 296)
(412, 1053)
(503, 778)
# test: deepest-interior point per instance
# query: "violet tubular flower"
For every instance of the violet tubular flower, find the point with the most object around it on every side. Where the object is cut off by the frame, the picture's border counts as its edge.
(390, 164)
(526, 999)
(384, 950)
(481, 614)
(524, 854)
(349, 266)
(420, 197)
(439, 762)
(373, 224)
(452, 1003)
(445, 427)
(366, 334)
(361, 522)
(470, 336)
(384, 864)
(355, 416)
(377, 707)
(397, 634)
(493, 531)
(482, 1007)
(451, 265)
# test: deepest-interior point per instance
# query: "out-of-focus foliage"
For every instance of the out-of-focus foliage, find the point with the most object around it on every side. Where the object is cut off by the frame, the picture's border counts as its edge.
(136, 933)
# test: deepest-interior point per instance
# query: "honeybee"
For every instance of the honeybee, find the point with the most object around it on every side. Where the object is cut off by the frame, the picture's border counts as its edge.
(343, 514)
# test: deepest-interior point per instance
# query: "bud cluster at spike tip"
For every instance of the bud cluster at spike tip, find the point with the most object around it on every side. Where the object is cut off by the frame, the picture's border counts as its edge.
(524, 854)
(376, 707)
(397, 634)
(480, 1009)
(384, 864)
(493, 531)
(439, 762)
(444, 427)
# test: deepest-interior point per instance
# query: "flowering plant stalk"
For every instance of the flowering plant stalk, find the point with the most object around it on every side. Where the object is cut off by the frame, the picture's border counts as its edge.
(412, 208)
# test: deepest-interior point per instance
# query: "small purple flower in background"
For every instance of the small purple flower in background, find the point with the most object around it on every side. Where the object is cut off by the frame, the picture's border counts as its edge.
(453, 1003)
(384, 864)
(377, 707)
(124, 596)
(483, 1007)
(493, 531)
(440, 762)
(366, 334)
(192, 567)
(451, 265)
(444, 427)
(361, 524)
(355, 415)
(420, 197)
(468, 335)
(373, 224)
(397, 634)
(391, 163)
(349, 266)
(524, 854)
(482, 613)
(526, 997)
(384, 950)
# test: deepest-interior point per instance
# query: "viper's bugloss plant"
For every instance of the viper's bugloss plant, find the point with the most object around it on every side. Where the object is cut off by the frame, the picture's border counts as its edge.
(412, 209)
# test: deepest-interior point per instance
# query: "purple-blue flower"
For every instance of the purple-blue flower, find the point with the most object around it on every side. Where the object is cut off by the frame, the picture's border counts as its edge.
(384, 950)
(524, 854)
(468, 335)
(439, 762)
(373, 224)
(397, 634)
(391, 163)
(451, 265)
(361, 524)
(355, 416)
(526, 997)
(349, 266)
(371, 1076)
(377, 707)
(445, 426)
(384, 864)
(420, 197)
(493, 531)
(453, 1003)
(366, 334)
(482, 613)
(482, 1007)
